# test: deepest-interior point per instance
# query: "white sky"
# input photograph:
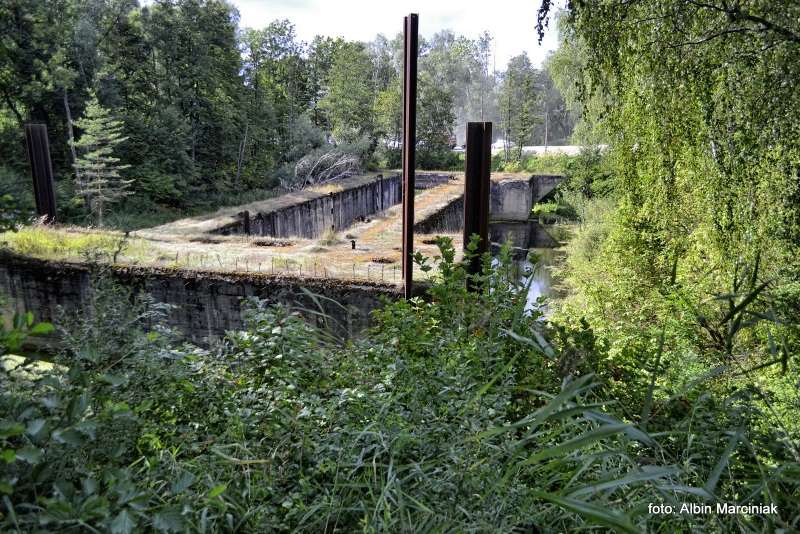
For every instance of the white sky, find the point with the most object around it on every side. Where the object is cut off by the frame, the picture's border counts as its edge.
(511, 22)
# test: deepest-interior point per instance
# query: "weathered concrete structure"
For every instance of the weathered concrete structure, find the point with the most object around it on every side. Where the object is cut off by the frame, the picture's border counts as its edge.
(204, 304)
(308, 213)
(514, 195)
(337, 210)
(512, 198)
(207, 300)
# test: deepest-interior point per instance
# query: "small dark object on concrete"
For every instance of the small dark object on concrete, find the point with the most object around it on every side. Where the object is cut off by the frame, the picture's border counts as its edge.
(353, 244)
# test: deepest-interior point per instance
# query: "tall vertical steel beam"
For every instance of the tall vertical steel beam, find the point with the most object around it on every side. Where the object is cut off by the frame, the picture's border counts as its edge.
(246, 222)
(41, 170)
(410, 51)
(477, 189)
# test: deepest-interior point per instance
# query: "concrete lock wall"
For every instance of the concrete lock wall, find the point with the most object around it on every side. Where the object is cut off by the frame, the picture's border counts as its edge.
(511, 199)
(204, 305)
(338, 209)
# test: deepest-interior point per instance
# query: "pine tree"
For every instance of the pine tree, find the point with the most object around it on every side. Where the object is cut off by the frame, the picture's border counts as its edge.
(97, 171)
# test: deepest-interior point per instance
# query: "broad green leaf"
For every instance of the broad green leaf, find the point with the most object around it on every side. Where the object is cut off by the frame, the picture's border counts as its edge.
(78, 405)
(124, 523)
(35, 427)
(40, 329)
(169, 519)
(184, 481)
(114, 380)
(9, 429)
(8, 455)
(69, 436)
(32, 455)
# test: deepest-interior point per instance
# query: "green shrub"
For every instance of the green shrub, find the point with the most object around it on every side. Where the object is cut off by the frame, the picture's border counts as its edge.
(539, 163)
(453, 413)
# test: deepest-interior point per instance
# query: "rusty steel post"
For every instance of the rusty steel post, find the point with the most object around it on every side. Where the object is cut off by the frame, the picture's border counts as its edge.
(477, 189)
(41, 170)
(246, 221)
(411, 49)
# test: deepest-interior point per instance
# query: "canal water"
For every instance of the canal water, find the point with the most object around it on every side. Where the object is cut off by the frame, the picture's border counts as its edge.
(534, 251)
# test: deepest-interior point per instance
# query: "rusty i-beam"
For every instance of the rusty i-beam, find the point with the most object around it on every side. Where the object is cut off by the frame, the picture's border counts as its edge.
(477, 167)
(410, 51)
(41, 170)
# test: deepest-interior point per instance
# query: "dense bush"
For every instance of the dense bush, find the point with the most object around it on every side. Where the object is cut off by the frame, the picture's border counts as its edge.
(452, 414)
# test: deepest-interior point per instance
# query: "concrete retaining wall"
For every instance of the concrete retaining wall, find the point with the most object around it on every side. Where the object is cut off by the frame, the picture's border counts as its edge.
(206, 305)
(511, 200)
(337, 210)
(449, 219)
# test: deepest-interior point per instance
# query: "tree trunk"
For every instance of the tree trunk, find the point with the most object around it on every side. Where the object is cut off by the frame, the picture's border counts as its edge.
(240, 160)
(70, 132)
(546, 114)
(13, 108)
(99, 201)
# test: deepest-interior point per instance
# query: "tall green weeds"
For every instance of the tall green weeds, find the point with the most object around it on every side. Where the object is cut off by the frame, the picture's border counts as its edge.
(457, 413)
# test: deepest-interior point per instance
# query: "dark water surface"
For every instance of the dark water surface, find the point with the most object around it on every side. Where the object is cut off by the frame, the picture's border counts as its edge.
(534, 251)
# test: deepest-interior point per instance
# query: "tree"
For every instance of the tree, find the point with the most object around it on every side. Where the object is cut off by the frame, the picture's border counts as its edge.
(97, 171)
(584, 103)
(321, 55)
(482, 51)
(349, 103)
(519, 102)
(389, 114)
(435, 121)
(699, 102)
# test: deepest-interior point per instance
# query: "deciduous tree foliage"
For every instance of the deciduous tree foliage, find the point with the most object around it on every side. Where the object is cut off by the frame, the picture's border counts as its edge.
(699, 103)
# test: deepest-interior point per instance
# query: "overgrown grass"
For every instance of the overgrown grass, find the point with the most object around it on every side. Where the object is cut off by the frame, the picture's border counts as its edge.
(328, 238)
(66, 243)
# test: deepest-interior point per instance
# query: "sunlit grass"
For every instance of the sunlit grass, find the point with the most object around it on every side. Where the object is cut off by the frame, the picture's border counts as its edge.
(63, 243)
